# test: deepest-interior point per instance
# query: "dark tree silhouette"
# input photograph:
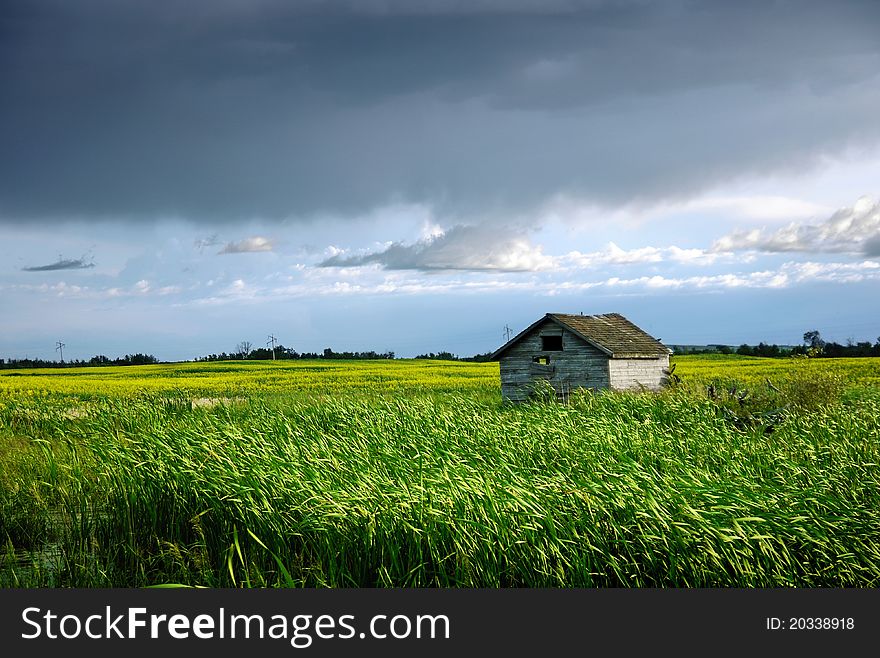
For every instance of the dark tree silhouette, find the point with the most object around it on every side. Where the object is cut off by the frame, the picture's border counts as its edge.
(814, 339)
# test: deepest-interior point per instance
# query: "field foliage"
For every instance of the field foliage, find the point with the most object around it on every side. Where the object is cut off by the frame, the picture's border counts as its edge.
(746, 472)
(248, 379)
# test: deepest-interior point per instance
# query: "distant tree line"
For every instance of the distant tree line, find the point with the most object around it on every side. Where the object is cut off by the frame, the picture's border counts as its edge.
(702, 349)
(813, 346)
(288, 353)
(449, 356)
(765, 350)
(98, 360)
(244, 352)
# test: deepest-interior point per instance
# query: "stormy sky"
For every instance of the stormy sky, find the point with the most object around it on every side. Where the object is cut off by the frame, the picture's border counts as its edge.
(390, 175)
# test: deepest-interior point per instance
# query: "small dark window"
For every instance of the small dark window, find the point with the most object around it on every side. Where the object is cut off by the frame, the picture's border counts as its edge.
(543, 360)
(551, 343)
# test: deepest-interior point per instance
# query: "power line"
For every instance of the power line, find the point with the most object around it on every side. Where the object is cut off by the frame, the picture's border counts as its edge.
(271, 340)
(59, 346)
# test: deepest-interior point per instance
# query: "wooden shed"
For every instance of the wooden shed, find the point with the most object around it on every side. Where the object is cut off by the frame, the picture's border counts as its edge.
(581, 351)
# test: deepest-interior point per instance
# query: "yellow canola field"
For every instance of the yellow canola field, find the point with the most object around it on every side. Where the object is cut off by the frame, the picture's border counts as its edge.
(237, 379)
(855, 372)
(233, 379)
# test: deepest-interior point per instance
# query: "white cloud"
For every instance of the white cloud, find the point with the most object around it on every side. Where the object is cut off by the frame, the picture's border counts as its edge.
(141, 288)
(853, 229)
(582, 214)
(474, 248)
(254, 244)
(614, 255)
(236, 292)
(486, 248)
(375, 281)
(787, 275)
(763, 207)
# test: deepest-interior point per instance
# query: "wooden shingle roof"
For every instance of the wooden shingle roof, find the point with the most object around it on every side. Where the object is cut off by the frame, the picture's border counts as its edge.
(611, 333)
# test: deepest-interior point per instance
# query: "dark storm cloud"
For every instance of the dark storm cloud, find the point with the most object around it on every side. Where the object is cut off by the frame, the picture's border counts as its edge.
(230, 110)
(61, 264)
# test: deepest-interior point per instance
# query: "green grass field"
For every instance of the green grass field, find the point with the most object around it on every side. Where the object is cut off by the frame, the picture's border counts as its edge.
(414, 473)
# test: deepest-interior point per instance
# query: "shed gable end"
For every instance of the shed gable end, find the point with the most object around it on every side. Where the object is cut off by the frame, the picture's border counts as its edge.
(577, 365)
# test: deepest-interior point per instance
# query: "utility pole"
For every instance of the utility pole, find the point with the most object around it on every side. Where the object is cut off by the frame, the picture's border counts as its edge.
(507, 332)
(59, 347)
(271, 341)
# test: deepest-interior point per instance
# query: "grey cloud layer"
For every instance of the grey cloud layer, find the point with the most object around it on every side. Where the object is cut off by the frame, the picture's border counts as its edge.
(237, 110)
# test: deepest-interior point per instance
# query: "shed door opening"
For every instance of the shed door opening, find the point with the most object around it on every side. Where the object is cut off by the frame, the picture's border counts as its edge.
(551, 343)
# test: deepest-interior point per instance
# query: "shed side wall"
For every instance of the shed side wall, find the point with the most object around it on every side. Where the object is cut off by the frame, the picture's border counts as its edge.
(636, 373)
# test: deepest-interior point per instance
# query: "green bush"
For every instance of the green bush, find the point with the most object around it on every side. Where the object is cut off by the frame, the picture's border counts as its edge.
(810, 387)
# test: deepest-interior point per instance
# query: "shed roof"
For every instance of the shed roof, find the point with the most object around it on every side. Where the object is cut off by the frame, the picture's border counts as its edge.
(610, 333)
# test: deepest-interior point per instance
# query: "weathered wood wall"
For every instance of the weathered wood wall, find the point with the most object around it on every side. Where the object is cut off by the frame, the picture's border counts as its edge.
(637, 373)
(578, 365)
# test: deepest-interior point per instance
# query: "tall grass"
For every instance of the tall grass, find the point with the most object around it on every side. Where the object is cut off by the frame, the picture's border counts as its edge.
(441, 490)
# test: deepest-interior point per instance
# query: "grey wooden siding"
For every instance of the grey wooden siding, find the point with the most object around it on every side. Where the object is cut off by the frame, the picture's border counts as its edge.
(636, 373)
(578, 365)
